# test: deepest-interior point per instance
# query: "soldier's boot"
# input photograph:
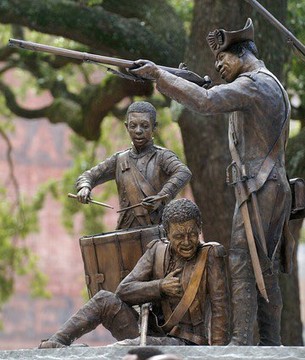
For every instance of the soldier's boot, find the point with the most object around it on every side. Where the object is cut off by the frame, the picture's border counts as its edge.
(244, 306)
(104, 308)
(269, 314)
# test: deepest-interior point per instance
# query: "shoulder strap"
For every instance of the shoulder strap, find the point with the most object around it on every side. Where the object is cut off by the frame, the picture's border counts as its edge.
(269, 161)
(141, 180)
(126, 175)
(162, 248)
(190, 292)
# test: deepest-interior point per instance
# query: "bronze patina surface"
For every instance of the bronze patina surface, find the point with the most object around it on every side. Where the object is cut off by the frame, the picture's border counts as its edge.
(144, 174)
(258, 131)
(183, 279)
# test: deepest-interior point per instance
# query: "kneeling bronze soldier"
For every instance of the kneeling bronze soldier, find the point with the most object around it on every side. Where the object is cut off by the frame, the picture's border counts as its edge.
(183, 278)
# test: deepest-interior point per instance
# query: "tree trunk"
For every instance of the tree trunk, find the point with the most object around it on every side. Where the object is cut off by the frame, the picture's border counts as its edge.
(205, 137)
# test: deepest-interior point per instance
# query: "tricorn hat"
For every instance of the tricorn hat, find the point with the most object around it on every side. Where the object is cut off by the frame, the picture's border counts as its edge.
(219, 39)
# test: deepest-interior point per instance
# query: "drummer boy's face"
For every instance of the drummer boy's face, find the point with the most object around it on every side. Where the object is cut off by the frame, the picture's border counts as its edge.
(140, 128)
(184, 238)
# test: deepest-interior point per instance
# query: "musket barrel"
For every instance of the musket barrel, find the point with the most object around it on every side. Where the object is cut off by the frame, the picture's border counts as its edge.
(87, 57)
(297, 43)
(83, 56)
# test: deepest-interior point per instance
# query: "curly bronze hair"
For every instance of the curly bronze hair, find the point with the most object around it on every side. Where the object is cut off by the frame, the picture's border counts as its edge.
(143, 107)
(179, 211)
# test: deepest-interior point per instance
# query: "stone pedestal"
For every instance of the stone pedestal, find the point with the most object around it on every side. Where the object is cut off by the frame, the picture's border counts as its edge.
(185, 352)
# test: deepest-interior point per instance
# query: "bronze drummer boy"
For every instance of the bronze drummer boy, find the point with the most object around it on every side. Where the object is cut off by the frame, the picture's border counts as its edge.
(258, 132)
(184, 279)
(142, 173)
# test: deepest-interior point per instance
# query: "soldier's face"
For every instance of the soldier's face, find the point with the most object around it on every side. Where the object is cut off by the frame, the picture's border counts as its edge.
(184, 238)
(228, 65)
(140, 129)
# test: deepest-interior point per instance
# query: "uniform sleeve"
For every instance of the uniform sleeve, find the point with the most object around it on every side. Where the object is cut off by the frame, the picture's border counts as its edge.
(179, 174)
(138, 287)
(235, 96)
(218, 291)
(99, 174)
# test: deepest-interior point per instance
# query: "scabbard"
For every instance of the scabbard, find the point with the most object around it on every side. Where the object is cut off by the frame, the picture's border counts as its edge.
(253, 251)
(259, 223)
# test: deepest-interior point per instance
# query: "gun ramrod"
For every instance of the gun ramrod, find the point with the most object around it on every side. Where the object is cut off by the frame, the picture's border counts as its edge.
(121, 63)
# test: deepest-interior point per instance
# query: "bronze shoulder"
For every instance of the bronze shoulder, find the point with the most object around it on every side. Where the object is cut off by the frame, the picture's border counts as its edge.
(157, 242)
(218, 249)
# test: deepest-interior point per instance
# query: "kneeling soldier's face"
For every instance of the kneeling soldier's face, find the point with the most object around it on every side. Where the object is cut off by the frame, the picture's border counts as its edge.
(184, 238)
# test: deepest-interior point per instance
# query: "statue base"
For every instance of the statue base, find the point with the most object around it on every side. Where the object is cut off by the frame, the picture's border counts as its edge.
(185, 352)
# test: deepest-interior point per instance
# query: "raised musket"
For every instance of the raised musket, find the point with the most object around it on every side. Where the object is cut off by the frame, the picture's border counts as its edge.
(300, 47)
(121, 63)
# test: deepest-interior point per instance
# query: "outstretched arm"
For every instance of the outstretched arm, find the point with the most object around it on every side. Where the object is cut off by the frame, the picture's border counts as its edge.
(225, 98)
(99, 174)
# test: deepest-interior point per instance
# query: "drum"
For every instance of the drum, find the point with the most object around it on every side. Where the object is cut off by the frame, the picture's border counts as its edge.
(109, 257)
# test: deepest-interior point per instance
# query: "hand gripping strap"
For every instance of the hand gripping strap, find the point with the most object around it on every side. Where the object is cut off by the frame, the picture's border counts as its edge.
(190, 293)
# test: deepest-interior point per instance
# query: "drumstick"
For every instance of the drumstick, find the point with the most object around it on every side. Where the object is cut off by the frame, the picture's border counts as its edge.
(140, 204)
(73, 196)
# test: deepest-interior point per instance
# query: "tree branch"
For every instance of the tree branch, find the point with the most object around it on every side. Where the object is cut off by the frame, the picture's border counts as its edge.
(16, 108)
(9, 158)
(95, 27)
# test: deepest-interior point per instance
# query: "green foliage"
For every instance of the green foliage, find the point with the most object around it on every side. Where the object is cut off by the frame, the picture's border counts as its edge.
(16, 222)
(184, 8)
(18, 218)
(5, 33)
(295, 155)
(168, 134)
(295, 69)
(86, 155)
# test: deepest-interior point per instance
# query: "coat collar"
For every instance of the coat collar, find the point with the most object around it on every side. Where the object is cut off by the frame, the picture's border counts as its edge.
(149, 148)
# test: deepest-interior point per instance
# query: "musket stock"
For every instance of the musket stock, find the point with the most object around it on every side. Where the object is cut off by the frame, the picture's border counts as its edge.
(93, 58)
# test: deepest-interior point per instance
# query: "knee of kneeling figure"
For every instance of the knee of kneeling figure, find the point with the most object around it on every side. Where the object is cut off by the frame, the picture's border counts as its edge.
(107, 301)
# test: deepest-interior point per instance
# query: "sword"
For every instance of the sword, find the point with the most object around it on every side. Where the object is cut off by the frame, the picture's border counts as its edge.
(239, 190)
(253, 251)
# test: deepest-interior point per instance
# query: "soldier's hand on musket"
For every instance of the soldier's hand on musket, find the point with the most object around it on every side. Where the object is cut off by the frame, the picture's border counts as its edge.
(171, 285)
(146, 69)
(151, 203)
(84, 195)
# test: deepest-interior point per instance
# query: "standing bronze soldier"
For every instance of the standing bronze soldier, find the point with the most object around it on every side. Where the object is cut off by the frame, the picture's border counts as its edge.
(142, 173)
(183, 278)
(258, 132)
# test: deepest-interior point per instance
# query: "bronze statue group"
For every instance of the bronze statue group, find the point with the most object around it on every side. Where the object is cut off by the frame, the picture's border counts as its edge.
(184, 279)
